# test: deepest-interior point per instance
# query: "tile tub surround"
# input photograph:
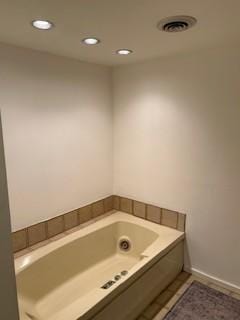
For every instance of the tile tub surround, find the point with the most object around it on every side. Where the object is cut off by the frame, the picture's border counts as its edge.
(168, 218)
(59, 236)
(53, 228)
(38, 233)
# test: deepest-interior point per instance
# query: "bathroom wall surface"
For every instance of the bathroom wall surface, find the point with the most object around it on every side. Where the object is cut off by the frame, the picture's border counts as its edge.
(57, 127)
(176, 145)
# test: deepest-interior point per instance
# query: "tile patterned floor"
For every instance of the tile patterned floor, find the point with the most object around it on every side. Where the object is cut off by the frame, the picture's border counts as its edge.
(166, 300)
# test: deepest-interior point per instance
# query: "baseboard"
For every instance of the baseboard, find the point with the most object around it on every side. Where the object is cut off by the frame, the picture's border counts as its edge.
(215, 280)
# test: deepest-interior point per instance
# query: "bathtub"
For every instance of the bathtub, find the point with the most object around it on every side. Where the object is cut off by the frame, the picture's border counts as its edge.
(111, 269)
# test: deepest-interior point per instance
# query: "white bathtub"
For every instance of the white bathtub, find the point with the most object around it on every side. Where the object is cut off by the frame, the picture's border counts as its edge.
(65, 279)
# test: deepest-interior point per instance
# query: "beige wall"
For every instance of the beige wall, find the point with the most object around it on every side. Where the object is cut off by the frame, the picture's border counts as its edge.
(176, 145)
(8, 299)
(57, 124)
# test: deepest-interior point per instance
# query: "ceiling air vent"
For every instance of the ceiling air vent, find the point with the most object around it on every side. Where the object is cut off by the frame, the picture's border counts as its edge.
(176, 23)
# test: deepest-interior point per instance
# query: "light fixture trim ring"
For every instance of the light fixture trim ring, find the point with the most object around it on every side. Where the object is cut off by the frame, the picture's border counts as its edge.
(91, 41)
(124, 51)
(49, 24)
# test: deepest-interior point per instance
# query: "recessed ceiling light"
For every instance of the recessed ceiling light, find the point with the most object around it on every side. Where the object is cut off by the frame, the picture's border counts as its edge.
(42, 24)
(91, 41)
(124, 51)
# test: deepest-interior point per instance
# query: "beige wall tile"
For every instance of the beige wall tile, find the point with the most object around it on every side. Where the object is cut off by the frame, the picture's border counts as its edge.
(169, 218)
(97, 208)
(153, 213)
(126, 205)
(60, 235)
(70, 220)
(42, 231)
(19, 240)
(181, 222)
(39, 244)
(55, 226)
(108, 204)
(139, 209)
(116, 202)
(85, 214)
(37, 233)
(21, 253)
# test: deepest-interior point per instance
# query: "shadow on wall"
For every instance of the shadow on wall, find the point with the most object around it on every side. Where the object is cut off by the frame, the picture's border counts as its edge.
(8, 296)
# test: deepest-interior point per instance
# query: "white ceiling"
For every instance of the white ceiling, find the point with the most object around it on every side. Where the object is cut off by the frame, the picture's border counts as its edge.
(119, 24)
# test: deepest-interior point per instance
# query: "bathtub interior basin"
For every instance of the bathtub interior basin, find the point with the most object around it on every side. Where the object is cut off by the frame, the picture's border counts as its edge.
(62, 280)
